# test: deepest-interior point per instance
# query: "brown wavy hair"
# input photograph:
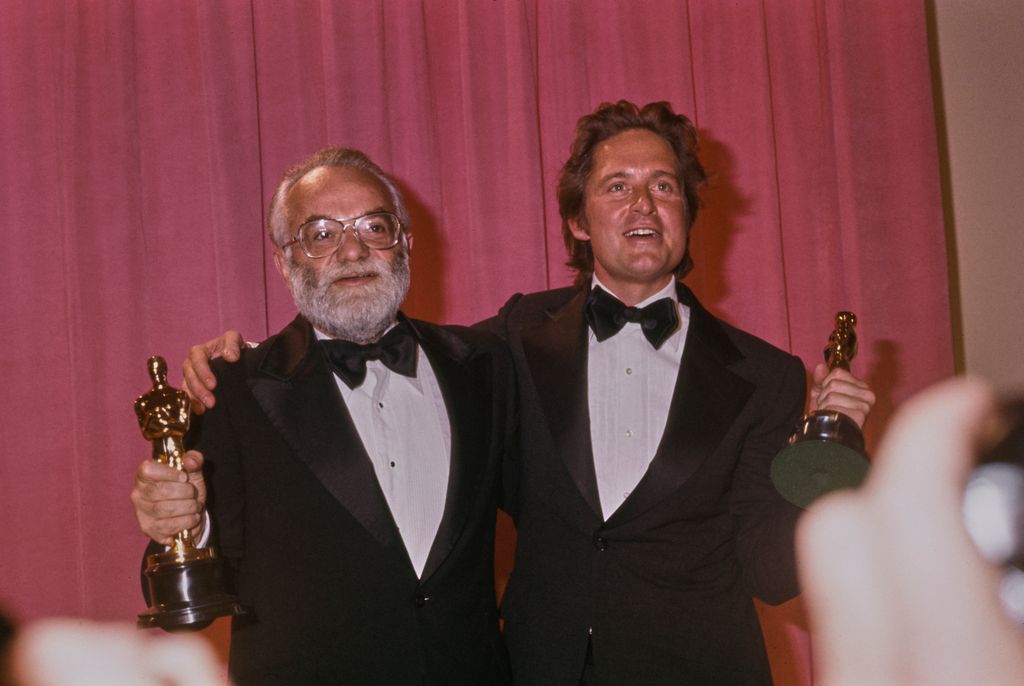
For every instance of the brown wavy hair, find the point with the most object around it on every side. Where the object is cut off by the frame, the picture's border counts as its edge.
(608, 120)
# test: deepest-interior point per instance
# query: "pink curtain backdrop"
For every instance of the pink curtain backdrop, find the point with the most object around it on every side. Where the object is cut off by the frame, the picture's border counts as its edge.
(140, 142)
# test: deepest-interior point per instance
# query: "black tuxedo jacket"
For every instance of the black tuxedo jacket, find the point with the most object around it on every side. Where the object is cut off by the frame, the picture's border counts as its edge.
(298, 511)
(664, 586)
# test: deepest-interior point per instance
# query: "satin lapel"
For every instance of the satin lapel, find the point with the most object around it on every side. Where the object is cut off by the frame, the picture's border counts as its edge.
(297, 391)
(462, 379)
(556, 352)
(705, 402)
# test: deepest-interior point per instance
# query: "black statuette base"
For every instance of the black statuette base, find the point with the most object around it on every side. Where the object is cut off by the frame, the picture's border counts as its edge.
(825, 454)
(186, 595)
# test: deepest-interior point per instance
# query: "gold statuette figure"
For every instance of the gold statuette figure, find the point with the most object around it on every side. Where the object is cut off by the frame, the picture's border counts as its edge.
(827, 450)
(842, 342)
(186, 584)
(163, 415)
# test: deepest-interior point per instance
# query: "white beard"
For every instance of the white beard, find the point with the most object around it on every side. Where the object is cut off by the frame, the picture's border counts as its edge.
(359, 314)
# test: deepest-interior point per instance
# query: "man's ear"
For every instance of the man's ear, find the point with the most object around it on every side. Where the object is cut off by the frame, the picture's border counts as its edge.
(281, 262)
(578, 230)
(408, 242)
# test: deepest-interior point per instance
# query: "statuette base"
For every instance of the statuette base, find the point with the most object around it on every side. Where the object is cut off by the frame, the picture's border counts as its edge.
(187, 591)
(824, 455)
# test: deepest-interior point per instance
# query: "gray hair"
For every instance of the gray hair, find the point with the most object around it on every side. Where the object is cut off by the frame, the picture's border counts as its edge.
(346, 158)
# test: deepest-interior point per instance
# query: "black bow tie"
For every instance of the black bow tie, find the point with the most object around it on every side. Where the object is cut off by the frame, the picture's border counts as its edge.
(606, 315)
(396, 349)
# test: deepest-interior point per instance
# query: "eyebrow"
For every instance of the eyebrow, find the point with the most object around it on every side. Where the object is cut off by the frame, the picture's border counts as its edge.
(624, 174)
(314, 217)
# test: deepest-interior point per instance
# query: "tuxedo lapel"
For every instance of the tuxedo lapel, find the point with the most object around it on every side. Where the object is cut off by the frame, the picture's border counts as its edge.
(462, 379)
(556, 353)
(705, 402)
(297, 391)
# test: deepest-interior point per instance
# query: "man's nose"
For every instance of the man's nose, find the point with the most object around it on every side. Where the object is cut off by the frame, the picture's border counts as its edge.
(351, 248)
(642, 201)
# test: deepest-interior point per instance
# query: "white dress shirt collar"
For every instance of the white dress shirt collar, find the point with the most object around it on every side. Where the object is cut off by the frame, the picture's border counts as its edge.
(669, 291)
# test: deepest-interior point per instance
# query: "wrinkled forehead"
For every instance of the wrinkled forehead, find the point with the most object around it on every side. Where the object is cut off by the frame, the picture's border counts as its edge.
(634, 151)
(340, 192)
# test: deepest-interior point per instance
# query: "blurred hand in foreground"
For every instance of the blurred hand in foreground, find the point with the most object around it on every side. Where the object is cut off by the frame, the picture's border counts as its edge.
(896, 591)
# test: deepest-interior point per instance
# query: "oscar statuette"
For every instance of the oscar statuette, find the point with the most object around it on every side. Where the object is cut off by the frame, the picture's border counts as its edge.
(186, 584)
(826, 452)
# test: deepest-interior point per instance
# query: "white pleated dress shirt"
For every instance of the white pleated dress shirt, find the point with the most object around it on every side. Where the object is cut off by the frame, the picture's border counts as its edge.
(404, 427)
(630, 386)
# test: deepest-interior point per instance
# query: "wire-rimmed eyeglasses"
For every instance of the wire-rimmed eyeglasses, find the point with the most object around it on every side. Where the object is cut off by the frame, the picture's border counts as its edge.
(320, 237)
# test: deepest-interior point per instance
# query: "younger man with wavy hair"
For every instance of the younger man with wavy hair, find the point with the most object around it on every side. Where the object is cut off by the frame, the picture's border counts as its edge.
(646, 517)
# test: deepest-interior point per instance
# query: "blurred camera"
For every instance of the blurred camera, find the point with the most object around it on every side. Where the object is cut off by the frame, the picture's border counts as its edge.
(994, 503)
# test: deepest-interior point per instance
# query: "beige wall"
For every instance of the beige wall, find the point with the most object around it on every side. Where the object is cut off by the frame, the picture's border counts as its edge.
(978, 60)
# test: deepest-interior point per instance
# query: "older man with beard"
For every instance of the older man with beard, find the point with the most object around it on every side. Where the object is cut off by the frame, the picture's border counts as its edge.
(349, 473)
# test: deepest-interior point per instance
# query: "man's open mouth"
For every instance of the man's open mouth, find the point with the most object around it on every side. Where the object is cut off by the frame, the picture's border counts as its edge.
(641, 233)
